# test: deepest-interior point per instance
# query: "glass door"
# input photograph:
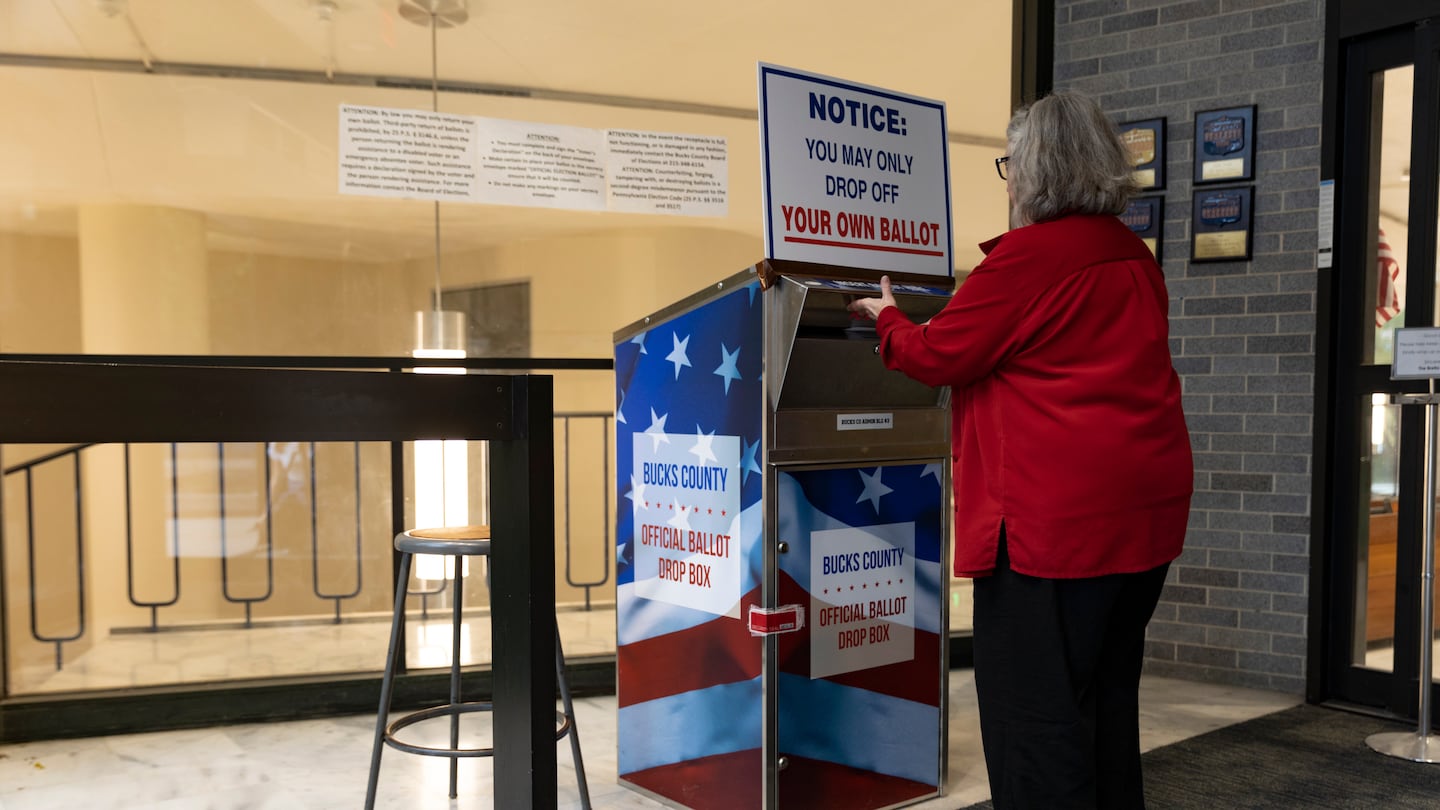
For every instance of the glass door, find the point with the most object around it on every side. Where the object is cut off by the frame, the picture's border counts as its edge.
(1386, 236)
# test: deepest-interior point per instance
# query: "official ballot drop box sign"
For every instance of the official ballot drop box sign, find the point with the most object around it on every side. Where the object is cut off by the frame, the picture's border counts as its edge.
(772, 475)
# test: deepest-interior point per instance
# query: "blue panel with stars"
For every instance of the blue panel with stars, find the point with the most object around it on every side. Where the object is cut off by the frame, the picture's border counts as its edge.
(698, 374)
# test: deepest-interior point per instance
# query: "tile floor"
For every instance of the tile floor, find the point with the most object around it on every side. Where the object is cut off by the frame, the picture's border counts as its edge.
(322, 764)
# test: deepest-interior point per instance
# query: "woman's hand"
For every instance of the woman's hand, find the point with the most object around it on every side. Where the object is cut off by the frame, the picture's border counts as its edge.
(871, 307)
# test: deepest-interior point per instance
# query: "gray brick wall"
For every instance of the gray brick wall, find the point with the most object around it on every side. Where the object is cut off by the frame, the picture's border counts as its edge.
(1242, 333)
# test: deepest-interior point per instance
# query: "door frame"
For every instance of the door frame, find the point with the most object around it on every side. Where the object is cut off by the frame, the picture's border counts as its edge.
(1358, 42)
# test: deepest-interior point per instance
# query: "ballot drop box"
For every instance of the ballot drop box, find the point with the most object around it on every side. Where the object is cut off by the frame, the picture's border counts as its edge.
(782, 543)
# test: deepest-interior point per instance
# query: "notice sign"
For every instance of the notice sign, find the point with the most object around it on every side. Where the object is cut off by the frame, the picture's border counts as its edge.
(406, 153)
(1417, 354)
(540, 165)
(667, 173)
(421, 155)
(853, 175)
(686, 499)
(862, 598)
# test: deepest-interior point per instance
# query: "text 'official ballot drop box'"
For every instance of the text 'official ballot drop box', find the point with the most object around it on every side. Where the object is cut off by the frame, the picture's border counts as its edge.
(782, 541)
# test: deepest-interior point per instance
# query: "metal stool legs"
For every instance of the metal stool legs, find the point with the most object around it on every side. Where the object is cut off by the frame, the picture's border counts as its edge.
(385, 736)
(387, 683)
(570, 720)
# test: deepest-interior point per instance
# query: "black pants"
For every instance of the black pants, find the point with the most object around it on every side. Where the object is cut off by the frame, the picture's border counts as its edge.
(1057, 674)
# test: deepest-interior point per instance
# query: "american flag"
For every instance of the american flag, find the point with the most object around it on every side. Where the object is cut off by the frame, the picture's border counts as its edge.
(1390, 295)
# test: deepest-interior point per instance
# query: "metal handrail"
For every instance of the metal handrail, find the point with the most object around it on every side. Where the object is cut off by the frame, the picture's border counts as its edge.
(304, 362)
(37, 461)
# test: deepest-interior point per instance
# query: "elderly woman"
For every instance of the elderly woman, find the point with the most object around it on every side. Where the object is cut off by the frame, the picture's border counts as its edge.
(1071, 456)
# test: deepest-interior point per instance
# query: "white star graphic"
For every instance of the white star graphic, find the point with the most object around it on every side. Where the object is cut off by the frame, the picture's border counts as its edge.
(932, 469)
(702, 448)
(874, 489)
(656, 430)
(682, 517)
(639, 340)
(677, 354)
(637, 490)
(748, 464)
(728, 363)
(619, 414)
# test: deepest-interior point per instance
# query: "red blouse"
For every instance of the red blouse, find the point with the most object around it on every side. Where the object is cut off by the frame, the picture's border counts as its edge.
(1066, 417)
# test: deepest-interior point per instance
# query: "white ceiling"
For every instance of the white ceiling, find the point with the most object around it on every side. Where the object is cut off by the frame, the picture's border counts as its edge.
(259, 156)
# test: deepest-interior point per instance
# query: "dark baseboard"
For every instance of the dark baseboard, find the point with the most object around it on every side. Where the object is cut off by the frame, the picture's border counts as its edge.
(52, 717)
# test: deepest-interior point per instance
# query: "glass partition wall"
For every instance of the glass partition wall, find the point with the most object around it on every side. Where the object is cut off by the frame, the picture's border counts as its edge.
(137, 565)
(171, 184)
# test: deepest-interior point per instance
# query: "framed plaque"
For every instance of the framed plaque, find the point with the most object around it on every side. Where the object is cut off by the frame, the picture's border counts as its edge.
(1222, 227)
(1146, 142)
(1225, 145)
(1146, 217)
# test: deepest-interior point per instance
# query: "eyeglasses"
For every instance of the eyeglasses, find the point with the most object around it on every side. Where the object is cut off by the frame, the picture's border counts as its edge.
(1000, 165)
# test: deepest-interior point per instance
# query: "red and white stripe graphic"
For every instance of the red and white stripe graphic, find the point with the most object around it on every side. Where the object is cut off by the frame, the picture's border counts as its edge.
(1390, 295)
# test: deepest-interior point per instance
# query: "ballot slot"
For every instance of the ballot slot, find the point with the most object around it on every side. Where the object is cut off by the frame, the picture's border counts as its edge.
(827, 357)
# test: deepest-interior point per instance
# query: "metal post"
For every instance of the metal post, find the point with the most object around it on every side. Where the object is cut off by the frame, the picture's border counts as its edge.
(1419, 746)
(522, 608)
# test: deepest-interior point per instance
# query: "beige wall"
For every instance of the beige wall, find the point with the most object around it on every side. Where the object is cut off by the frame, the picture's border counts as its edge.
(39, 288)
(279, 305)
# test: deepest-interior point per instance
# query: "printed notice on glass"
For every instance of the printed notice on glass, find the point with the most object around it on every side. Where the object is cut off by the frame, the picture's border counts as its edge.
(540, 165)
(667, 173)
(1417, 354)
(412, 154)
(1326, 240)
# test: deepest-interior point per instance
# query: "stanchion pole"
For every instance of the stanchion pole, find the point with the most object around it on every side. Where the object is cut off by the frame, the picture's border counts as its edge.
(1420, 746)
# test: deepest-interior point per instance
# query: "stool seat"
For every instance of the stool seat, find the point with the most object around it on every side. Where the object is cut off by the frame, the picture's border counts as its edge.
(452, 541)
(468, 541)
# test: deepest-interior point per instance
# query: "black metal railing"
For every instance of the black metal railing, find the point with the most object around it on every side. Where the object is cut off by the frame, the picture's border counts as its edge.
(36, 581)
(606, 482)
(46, 638)
(152, 400)
(315, 535)
(153, 605)
(575, 546)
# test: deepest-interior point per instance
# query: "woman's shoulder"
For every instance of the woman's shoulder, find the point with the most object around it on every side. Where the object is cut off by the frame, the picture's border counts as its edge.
(1074, 238)
(1063, 245)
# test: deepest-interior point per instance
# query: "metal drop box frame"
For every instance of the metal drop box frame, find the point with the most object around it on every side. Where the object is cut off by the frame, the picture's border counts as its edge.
(836, 713)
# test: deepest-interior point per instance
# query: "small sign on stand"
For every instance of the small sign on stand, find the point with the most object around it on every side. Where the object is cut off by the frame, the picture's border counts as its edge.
(1417, 357)
(1417, 354)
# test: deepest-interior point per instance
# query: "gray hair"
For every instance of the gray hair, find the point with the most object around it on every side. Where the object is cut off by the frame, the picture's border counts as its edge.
(1067, 158)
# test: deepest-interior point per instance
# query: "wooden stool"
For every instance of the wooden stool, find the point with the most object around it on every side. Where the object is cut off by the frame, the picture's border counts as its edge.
(456, 542)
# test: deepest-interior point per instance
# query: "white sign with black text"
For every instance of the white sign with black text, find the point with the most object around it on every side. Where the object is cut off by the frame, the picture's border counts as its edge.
(853, 175)
(1417, 354)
